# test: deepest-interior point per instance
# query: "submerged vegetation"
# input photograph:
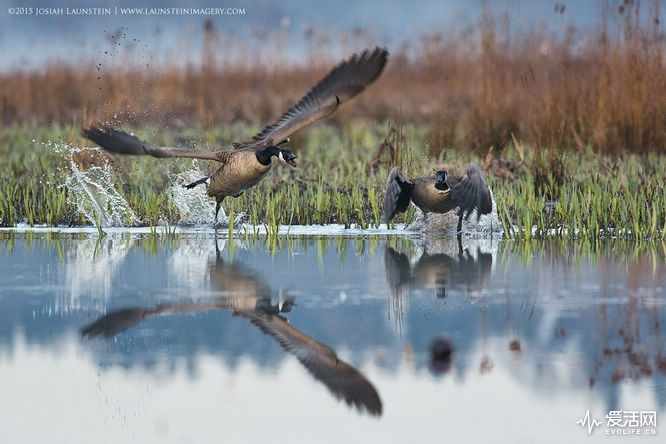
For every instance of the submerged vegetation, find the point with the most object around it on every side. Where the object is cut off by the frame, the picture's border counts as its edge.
(569, 129)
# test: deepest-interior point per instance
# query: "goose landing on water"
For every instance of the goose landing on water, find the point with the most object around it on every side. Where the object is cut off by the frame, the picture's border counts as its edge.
(439, 194)
(249, 162)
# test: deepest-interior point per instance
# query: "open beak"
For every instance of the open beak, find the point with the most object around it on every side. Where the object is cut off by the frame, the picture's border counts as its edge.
(289, 158)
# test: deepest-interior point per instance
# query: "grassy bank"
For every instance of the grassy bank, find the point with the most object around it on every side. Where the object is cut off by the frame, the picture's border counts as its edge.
(340, 179)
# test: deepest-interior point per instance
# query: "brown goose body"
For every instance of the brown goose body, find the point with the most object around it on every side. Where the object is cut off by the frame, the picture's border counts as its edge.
(249, 162)
(238, 173)
(439, 194)
(428, 197)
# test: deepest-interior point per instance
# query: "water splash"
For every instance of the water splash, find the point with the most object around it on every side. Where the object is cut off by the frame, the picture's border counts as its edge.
(94, 195)
(195, 206)
(489, 224)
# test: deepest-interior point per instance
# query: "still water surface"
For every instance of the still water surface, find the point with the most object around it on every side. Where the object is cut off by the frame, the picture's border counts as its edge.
(199, 338)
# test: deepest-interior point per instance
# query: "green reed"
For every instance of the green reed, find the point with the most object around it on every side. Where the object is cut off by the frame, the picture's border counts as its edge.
(561, 193)
(597, 197)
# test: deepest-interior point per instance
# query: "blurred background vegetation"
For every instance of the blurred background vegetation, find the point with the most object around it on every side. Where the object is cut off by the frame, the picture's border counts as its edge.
(584, 88)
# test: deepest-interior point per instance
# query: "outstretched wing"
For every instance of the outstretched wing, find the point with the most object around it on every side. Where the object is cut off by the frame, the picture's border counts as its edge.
(472, 193)
(343, 380)
(118, 321)
(398, 194)
(120, 142)
(344, 82)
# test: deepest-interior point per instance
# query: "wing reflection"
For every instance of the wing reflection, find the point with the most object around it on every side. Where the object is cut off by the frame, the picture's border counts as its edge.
(438, 271)
(250, 298)
(343, 380)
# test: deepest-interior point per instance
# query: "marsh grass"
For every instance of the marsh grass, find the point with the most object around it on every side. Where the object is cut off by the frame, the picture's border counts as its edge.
(559, 193)
(591, 196)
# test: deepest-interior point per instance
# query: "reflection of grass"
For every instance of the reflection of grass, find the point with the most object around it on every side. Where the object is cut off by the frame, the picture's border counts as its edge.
(649, 255)
(556, 193)
(627, 277)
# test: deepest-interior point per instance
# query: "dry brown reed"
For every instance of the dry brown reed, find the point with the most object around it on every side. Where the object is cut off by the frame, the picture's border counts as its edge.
(598, 87)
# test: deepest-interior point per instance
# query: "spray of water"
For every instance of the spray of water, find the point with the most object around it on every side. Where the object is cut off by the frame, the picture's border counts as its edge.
(195, 206)
(94, 195)
(448, 222)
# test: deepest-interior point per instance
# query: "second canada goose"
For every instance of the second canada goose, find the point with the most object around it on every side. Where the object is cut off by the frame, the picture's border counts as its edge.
(439, 194)
(249, 162)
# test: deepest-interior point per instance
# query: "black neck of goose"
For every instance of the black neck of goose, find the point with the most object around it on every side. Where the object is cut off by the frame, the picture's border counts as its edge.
(264, 156)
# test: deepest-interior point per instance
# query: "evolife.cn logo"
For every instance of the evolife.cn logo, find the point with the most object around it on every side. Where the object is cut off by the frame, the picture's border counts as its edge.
(623, 422)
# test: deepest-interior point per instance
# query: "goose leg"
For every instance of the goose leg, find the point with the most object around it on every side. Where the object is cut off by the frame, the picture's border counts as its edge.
(217, 210)
(196, 182)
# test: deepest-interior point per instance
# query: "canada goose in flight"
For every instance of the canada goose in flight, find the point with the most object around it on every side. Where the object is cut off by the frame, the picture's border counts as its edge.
(439, 194)
(249, 162)
(250, 299)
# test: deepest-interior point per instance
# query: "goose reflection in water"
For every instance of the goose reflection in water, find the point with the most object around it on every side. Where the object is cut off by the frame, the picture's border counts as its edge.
(455, 268)
(452, 267)
(250, 298)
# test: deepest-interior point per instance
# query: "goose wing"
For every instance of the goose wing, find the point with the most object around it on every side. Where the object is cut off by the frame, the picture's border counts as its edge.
(398, 271)
(343, 380)
(341, 84)
(121, 142)
(398, 194)
(118, 321)
(472, 192)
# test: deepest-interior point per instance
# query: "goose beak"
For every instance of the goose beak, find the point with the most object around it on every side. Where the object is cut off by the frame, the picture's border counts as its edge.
(288, 157)
(285, 306)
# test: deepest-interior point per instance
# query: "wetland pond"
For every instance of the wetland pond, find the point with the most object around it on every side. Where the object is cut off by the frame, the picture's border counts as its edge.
(197, 337)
